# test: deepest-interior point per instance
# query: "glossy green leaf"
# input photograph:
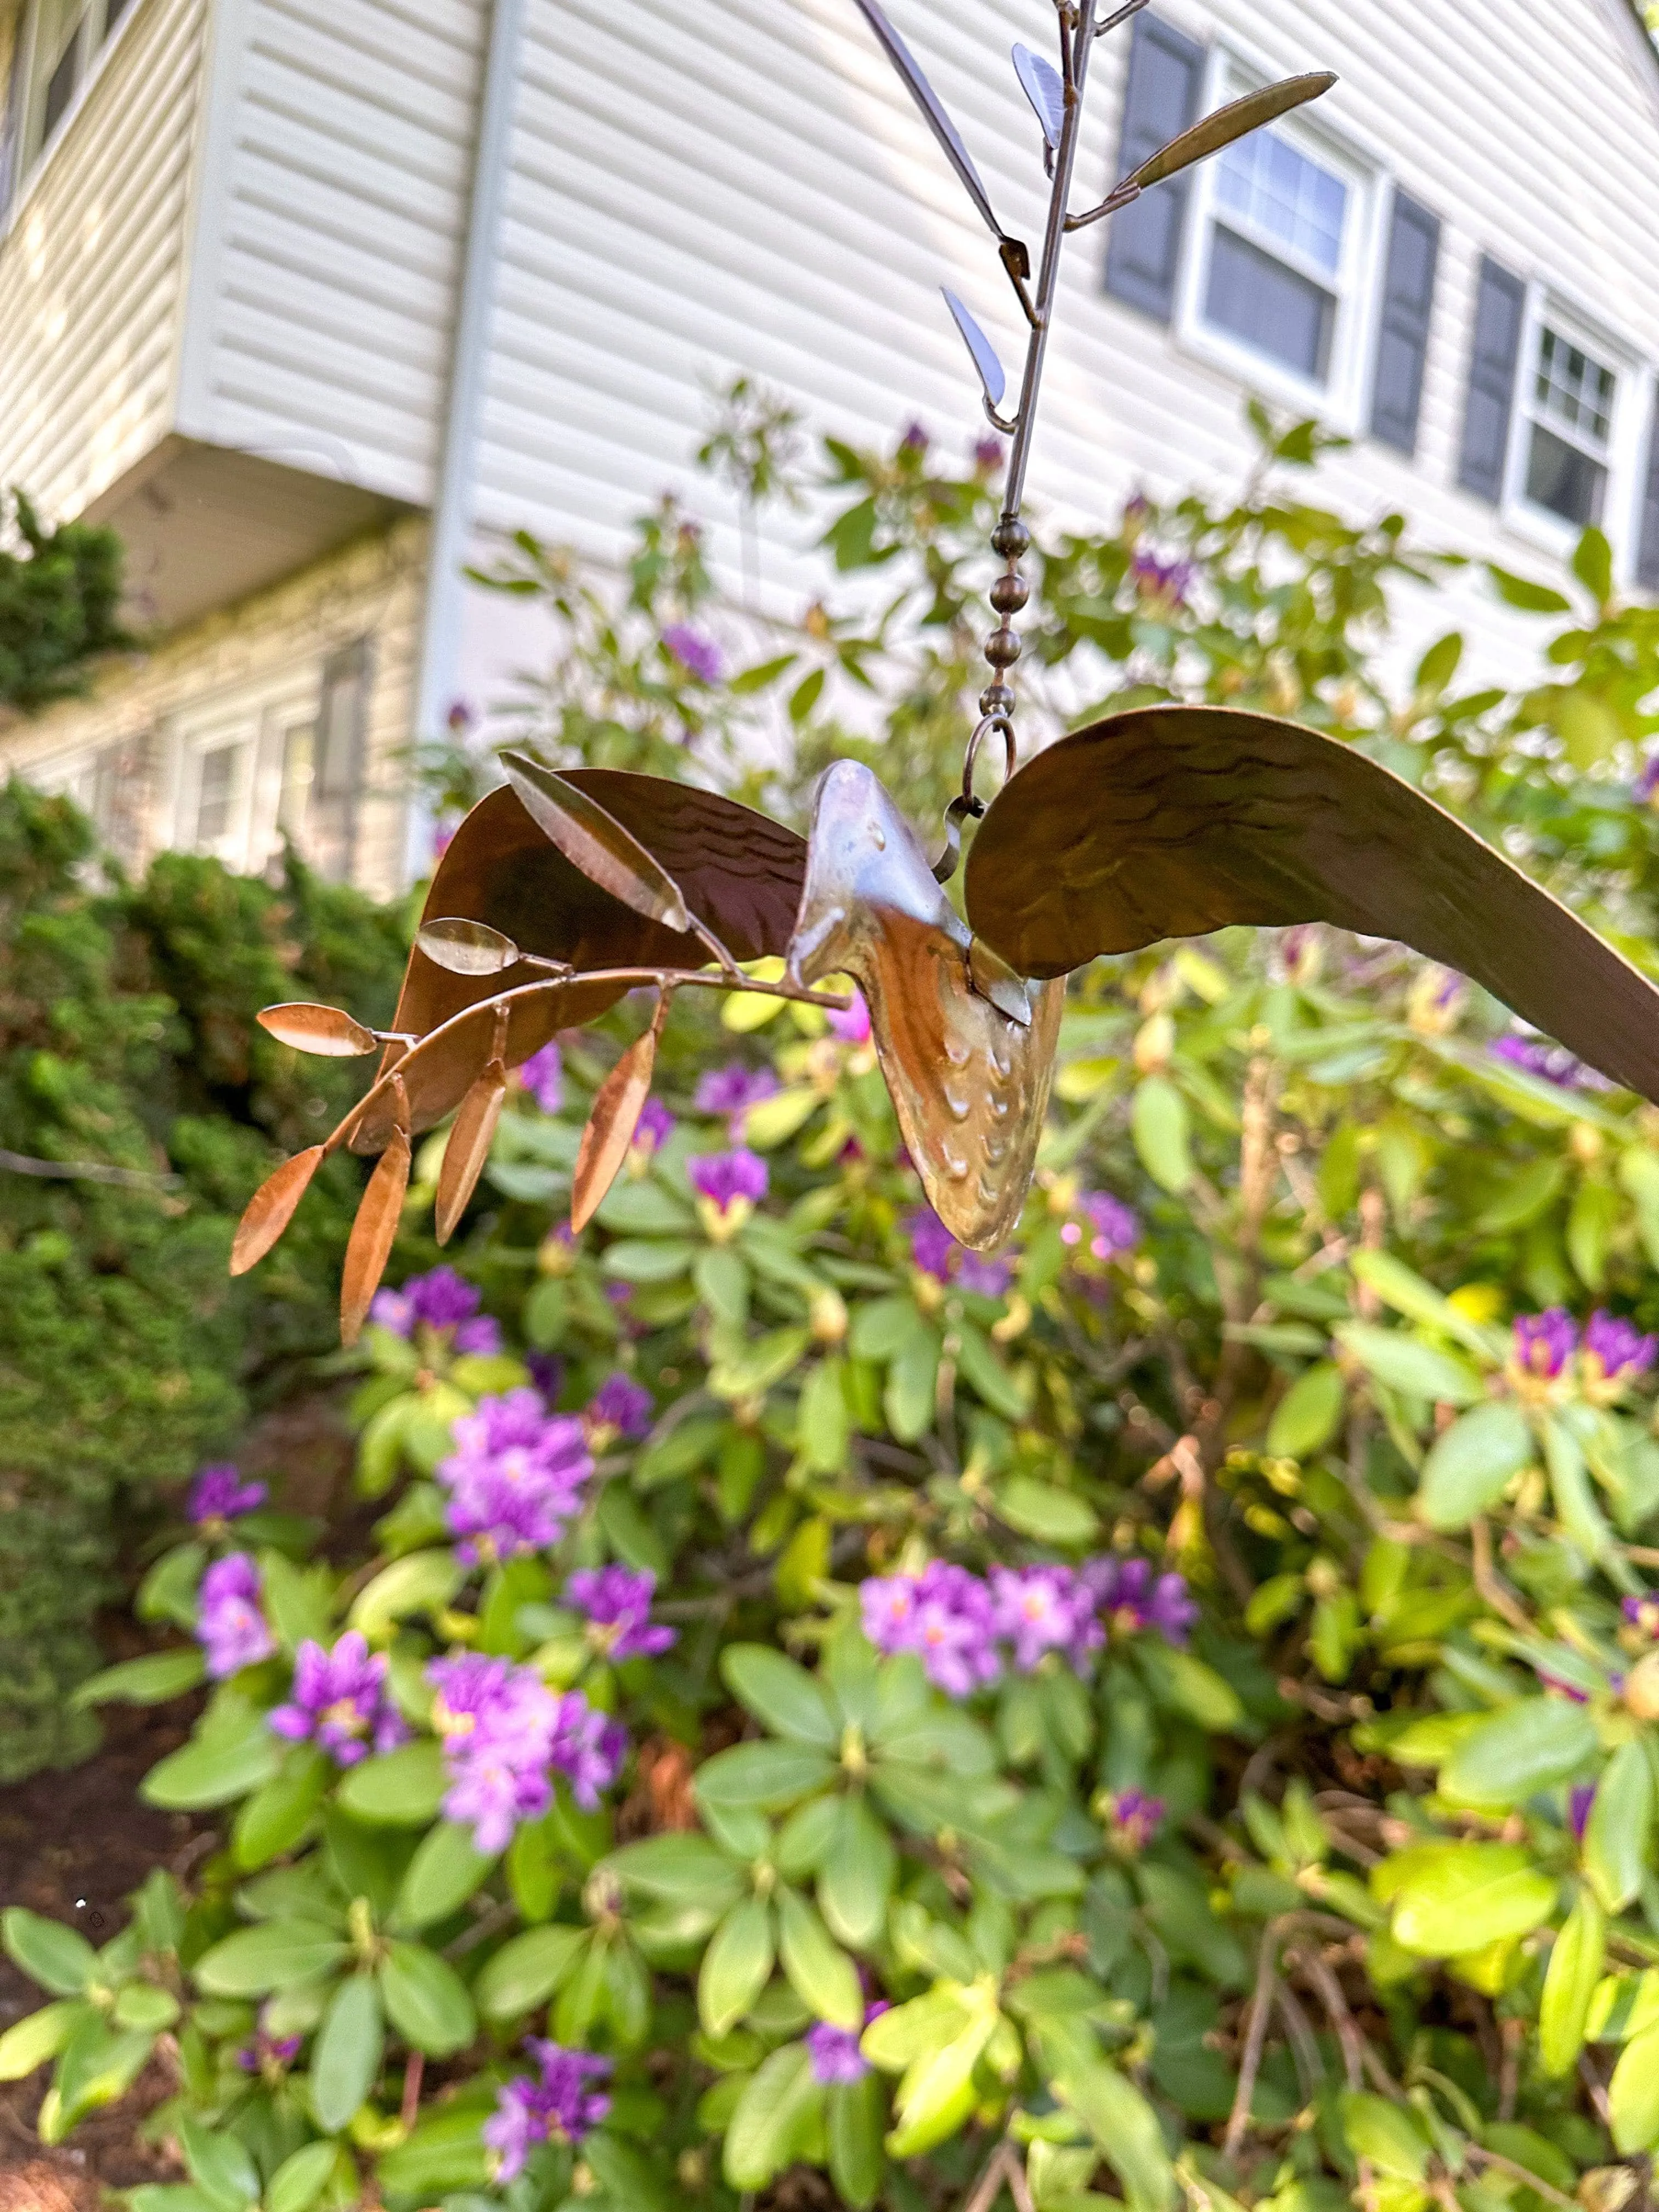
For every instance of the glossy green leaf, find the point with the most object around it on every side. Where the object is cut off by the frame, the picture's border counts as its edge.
(426, 2000)
(679, 1870)
(272, 1956)
(38, 2037)
(1421, 1371)
(856, 2115)
(420, 1581)
(150, 1680)
(1466, 1899)
(821, 1974)
(1575, 1968)
(1391, 2138)
(299, 2181)
(345, 2060)
(855, 1876)
(402, 1790)
(1310, 1413)
(736, 1966)
(1621, 1826)
(443, 1874)
(1531, 1745)
(782, 1696)
(57, 1957)
(1126, 2128)
(215, 1767)
(772, 2118)
(1162, 1134)
(527, 1972)
(766, 1776)
(1472, 1464)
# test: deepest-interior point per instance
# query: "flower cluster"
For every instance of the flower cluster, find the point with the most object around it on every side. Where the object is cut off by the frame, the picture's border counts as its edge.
(1102, 1225)
(505, 1733)
(230, 1626)
(730, 1092)
(936, 1253)
(698, 655)
(443, 1303)
(731, 1186)
(957, 1623)
(1552, 1062)
(516, 1477)
(219, 1494)
(619, 1407)
(836, 2059)
(554, 2103)
(1612, 1352)
(543, 1077)
(655, 1125)
(852, 1027)
(1132, 1819)
(339, 1700)
(618, 1605)
(1166, 583)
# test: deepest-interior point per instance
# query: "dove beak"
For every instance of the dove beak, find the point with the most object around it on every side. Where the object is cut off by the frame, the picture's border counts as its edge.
(813, 948)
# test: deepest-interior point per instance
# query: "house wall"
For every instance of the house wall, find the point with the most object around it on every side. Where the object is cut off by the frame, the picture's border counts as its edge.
(334, 200)
(92, 268)
(228, 673)
(747, 186)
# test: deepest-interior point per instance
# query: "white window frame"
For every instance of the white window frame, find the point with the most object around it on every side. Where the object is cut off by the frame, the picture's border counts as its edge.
(1547, 307)
(258, 714)
(34, 147)
(1341, 402)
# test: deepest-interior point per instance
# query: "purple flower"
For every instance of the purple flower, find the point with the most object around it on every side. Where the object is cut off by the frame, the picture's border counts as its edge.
(1136, 509)
(1166, 582)
(1580, 1803)
(732, 1090)
(498, 1723)
(619, 1407)
(916, 439)
(230, 1626)
(515, 1478)
(854, 1026)
(1045, 1608)
(542, 1077)
(219, 1494)
(1109, 1227)
(724, 1178)
(558, 2105)
(443, 1303)
(1133, 1599)
(654, 1128)
(935, 1252)
(340, 1699)
(1552, 1061)
(1545, 1342)
(987, 455)
(698, 655)
(945, 1615)
(835, 2053)
(1643, 1614)
(1648, 782)
(547, 1373)
(618, 1609)
(1621, 1354)
(587, 1747)
(268, 2053)
(1133, 1820)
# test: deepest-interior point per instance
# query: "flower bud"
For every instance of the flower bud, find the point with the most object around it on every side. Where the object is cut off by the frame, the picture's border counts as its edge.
(1642, 1688)
(1155, 1044)
(827, 1316)
(1588, 1144)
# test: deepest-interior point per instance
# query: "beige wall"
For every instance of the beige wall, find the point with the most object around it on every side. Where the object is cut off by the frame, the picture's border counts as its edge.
(234, 669)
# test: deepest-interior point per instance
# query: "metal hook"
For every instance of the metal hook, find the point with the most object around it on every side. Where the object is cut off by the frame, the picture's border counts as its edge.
(966, 806)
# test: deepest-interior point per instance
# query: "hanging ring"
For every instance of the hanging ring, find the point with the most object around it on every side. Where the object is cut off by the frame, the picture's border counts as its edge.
(966, 807)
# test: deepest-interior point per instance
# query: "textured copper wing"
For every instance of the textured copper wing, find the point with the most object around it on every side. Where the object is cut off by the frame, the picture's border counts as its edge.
(970, 1083)
(740, 872)
(1174, 821)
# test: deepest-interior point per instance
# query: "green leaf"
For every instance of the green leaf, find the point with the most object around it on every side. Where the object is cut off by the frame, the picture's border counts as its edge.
(736, 1967)
(642, 1260)
(219, 2165)
(857, 1874)
(274, 1819)
(1390, 2138)
(1310, 1413)
(1633, 2094)
(345, 2060)
(822, 1428)
(1531, 598)
(770, 2123)
(96, 2068)
(443, 1874)
(856, 2114)
(909, 1397)
(420, 1581)
(404, 1789)
(1472, 1464)
(1126, 2130)
(1575, 1968)
(782, 1696)
(1398, 1286)
(1592, 563)
(299, 2181)
(525, 1972)
(980, 1364)
(1620, 1824)
(767, 1777)
(679, 1870)
(881, 1329)
(1472, 1896)
(1403, 1363)
(426, 2000)
(762, 1363)
(213, 1768)
(1530, 1746)
(1160, 1125)
(821, 1974)
(936, 2095)
(55, 1956)
(1044, 1512)
(1182, 1681)
(150, 1680)
(39, 2036)
(140, 2004)
(272, 1956)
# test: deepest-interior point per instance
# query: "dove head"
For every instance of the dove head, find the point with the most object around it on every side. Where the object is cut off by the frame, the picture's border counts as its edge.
(968, 1081)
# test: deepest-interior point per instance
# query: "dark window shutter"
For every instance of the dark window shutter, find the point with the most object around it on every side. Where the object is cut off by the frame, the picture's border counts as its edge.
(1499, 310)
(1402, 340)
(1647, 557)
(1143, 252)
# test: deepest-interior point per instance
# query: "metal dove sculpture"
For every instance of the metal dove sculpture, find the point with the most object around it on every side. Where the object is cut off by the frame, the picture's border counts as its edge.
(561, 891)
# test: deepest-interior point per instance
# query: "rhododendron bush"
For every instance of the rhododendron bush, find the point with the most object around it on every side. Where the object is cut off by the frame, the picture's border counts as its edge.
(1162, 1712)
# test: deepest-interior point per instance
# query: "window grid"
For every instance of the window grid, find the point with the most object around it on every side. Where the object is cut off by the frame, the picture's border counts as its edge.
(1287, 198)
(1574, 389)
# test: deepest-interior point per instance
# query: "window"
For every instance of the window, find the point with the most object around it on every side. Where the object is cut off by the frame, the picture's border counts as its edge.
(299, 774)
(219, 788)
(1569, 410)
(53, 47)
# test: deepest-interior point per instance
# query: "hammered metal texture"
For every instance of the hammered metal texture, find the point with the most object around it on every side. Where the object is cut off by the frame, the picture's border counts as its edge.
(1175, 821)
(970, 1087)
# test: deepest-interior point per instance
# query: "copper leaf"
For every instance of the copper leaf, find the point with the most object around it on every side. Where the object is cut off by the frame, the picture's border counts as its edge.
(328, 1031)
(618, 1105)
(596, 842)
(272, 1208)
(372, 1235)
(1234, 121)
(466, 948)
(469, 1148)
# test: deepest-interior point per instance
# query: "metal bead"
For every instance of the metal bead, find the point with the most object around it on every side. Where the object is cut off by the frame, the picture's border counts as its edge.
(1009, 594)
(1011, 540)
(1002, 647)
(998, 701)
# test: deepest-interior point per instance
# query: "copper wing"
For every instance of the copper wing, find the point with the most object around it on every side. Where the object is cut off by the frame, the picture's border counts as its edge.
(1175, 821)
(740, 872)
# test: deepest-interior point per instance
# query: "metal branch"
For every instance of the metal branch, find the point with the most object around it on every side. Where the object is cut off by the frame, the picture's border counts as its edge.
(85, 1171)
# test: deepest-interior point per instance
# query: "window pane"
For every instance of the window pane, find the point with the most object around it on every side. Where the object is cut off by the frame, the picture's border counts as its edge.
(1272, 308)
(1574, 389)
(60, 85)
(1568, 482)
(299, 769)
(1264, 179)
(217, 794)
